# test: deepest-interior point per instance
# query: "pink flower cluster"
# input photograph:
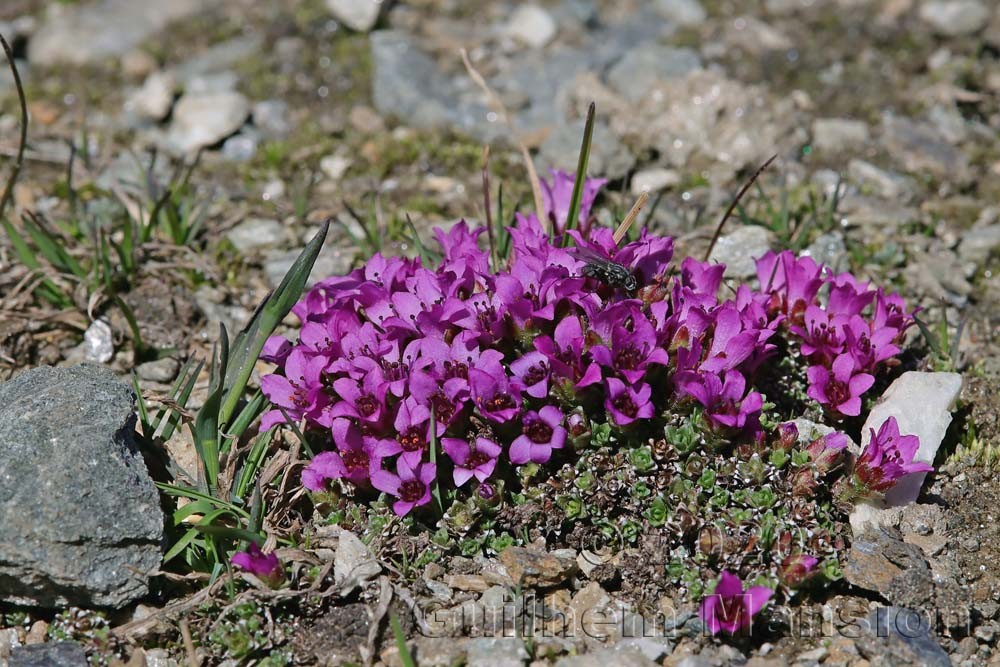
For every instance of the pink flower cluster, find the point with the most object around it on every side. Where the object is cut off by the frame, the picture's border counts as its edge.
(846, 338)
(500, 367)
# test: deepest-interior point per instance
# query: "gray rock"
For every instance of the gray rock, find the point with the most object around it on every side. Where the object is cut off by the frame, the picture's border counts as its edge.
(879, 561)
(886, 184)
(640, 67)
(358, 15)
(241, 147)
(439, 651)
(894, 636)
(407, 84)
(531, 25)
(272, 118)
(609, 157)
(89, 32)
(654, 180)
(624, 656)
(682, 12)
(829, 249)
(954, 18)
(354, 563)
(333, 260)
(977, 243)
(756, 37)
(255, 233)
(80, 519)
(204, 120)
(152, 101)
(496, 652)
(50, 654)
(738, 250)
(219, 57)
(835, 135)
(161, 370)
(213, 82)
(98, 342)
(919, 147)
(705, 114)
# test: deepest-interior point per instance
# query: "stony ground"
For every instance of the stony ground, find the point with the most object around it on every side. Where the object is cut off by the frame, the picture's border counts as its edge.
(884, 115)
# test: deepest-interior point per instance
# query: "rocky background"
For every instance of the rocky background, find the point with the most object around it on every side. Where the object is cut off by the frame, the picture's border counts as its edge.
(884, 115)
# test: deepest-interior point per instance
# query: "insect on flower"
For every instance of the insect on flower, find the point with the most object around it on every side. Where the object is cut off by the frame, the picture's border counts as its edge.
(606, 271)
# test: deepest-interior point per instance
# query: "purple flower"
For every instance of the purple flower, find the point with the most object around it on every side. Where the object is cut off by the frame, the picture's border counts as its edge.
(445, 398)
(542, 432)
(532, 370)
(887, 458)
(868, 346)
(355, 459)
(276, 350)
(495, 396)
(265, 567)
(364, 399)
(557, 195)
(729, 607)
(793, 283)
(471, 461)
(566, 356)
(822, 338)
(731, 345)
(624, 404)
(411, 485)
(412, 426)
(299, 391)
(840, 387)
(723, 400)
(648, 257)
(631, 352)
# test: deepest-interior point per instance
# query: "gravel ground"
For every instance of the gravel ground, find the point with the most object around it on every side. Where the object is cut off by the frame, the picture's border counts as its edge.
(884, 116)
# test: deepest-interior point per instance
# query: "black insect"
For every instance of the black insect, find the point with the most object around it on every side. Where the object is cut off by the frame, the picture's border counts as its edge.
(606, 271)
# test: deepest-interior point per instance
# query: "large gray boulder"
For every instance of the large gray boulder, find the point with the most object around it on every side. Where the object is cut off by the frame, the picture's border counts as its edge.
(80, 519)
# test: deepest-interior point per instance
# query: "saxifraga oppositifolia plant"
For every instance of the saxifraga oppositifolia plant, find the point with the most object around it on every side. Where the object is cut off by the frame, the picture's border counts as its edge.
(581, 382)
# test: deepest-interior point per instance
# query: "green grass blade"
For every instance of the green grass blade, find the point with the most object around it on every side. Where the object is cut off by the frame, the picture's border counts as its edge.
(250, 341)
(180, 545)
(405, 656)
(251, 410)
(192, 493)
(248, 473)
(581, 170)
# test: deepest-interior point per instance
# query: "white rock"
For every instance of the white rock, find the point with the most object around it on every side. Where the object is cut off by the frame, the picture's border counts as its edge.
(155, 97)
(532, 25)
(358, 15)
(682, 12)
(832, 135)
(953, 18)
(98, 342)
(886, 184)
(654, 180)
(921, 404)
(255, 233)
(205, 119)
(739, 249)
(354, 563)
(335, 166)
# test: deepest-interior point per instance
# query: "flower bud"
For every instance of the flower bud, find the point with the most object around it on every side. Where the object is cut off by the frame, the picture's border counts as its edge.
(788, 436)
(796, 569)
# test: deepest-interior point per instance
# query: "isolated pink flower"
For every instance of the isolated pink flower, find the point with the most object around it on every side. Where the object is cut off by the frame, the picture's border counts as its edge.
(265, 567)
(730, 607)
